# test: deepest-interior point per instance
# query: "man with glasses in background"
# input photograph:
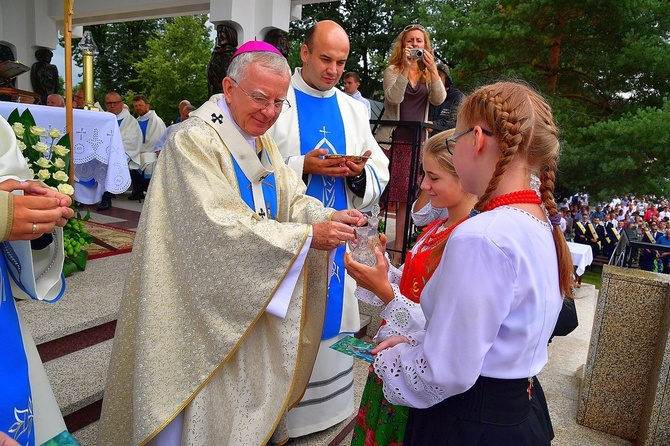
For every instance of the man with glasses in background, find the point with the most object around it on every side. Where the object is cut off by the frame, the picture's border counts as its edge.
(131, 134)
(223, 309)
(322, 125)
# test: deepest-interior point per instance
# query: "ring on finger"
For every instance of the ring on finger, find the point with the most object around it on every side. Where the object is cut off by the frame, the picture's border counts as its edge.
(34, 228)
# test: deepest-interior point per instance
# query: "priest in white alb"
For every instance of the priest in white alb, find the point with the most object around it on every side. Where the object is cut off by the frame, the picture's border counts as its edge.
(153, 129)
(323, 123)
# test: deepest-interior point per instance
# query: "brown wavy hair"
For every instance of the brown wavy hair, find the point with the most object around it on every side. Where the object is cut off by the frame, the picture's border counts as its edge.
(397, 49)
(522, 123)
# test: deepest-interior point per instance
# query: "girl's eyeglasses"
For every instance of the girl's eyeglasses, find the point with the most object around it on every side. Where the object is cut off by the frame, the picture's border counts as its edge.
(451, 141)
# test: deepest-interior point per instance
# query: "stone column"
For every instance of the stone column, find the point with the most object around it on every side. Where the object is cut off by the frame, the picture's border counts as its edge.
(626, 385)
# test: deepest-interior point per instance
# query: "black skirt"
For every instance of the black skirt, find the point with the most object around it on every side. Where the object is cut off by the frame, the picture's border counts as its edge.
(495, 412)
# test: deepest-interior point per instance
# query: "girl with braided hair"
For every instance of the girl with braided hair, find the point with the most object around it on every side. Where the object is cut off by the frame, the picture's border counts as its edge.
(492, 304)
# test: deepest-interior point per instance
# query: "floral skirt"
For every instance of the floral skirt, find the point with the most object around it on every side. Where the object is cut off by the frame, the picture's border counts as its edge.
(378, 423)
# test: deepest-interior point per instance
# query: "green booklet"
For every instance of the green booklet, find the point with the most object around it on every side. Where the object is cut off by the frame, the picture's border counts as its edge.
(62, 439)
(355, 347)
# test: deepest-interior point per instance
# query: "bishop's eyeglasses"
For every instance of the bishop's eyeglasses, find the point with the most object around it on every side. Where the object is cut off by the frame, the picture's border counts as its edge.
(262, 103)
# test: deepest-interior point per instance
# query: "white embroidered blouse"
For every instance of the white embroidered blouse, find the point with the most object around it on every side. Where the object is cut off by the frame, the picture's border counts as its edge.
(490, 306)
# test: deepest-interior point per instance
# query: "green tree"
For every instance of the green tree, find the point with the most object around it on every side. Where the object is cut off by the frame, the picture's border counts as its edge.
(120, 46)
(637, 156)
(601, 65)
(173, 68)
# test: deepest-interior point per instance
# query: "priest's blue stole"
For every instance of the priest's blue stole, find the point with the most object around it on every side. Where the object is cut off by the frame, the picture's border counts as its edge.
(321, 127)
(269, 191)
(16, 411)
(143, 126)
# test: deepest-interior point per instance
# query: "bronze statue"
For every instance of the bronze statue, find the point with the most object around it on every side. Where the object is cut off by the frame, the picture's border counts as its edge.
(44, 75)
(279, 39)
(226, 44)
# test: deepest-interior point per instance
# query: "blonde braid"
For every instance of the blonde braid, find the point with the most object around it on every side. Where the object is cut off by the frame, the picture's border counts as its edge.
(507, 128)
(522, 122)
(565, 269)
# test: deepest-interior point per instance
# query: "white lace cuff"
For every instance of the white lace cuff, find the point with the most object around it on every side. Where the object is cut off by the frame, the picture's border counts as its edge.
(402, 317)
(367, 296)
(402, 369)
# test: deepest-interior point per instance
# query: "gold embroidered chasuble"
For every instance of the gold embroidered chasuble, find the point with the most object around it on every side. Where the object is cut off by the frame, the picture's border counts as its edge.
(192, 333)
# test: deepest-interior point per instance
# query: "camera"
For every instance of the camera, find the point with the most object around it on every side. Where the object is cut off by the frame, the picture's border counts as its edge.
(416, 53)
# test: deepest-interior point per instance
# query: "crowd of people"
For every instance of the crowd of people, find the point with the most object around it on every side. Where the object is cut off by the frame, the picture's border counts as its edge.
(241, 279)
(644, 219)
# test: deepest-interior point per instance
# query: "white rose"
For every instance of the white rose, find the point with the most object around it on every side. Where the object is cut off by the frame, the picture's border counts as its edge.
(65, 189)
(37, 130)
(54, 133)
(43, 174)
(41, 147)
(61, 150)
(19, 129)
(21, 145)
(60, 176)
(59, 163)
(42, 162)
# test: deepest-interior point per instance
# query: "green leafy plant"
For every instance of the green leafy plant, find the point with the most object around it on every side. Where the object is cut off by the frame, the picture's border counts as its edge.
(50, 163)
(76, 238)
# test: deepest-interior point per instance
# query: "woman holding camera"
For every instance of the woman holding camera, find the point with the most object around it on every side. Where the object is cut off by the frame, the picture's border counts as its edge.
(411, 84)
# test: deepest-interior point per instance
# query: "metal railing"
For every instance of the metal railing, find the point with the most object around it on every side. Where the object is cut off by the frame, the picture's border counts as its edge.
(415, 173)
(627, 249)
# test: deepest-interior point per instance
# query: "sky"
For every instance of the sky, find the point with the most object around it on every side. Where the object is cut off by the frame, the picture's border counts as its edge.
(59, 61)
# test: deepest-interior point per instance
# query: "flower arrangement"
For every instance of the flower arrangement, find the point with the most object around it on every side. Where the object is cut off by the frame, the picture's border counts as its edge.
(50, 163)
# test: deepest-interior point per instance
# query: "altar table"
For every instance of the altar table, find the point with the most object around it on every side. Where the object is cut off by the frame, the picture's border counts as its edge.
(582, 256)
(100, 162)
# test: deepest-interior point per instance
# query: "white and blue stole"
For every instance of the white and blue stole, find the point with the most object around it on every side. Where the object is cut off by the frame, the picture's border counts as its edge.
(143, 127)
(321, 127)
(16, 411)
(265, 203)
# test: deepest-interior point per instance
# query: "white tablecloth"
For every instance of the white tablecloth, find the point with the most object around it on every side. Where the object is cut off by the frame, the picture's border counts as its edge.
(100, 163)
(582, 256)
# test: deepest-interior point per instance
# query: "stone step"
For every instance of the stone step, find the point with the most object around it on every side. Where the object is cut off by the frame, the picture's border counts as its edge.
(91, 299)
(74, 338)
(78, 379)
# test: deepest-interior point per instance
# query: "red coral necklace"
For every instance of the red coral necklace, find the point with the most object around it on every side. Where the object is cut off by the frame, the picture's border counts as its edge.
(435, 237)
(516, 197)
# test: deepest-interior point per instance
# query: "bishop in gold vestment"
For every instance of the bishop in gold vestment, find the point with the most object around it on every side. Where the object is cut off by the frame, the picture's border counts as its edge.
(194, 344)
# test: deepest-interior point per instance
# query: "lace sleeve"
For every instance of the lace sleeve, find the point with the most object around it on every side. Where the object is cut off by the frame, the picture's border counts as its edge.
(367, 296)
(404, 383)
(464, 319)
(402, 316)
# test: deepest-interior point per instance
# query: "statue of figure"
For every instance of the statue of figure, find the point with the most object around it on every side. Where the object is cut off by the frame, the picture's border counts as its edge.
(279, 39)
(226, 44)
(44, 75)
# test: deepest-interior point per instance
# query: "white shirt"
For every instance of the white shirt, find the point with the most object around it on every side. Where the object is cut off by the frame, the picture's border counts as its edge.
(427, 214)
(491, 307)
